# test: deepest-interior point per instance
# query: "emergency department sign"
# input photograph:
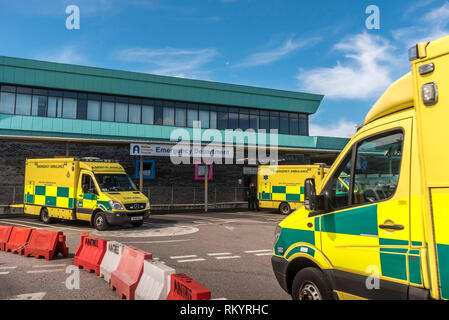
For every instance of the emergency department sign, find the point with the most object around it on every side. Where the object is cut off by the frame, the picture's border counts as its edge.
(161, 150)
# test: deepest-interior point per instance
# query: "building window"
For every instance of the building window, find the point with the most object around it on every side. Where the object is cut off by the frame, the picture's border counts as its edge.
(107, 111)
(283, 123)
(134, 113)
(180, 117)
(147, 114)
(93, 110)
(87, 106)
(7, 102)
(23, 104)
(158, 113)
(274, 120)
(204, 118)
(81, 109)
(244, 121)
(222, 120)
(233, 122)
(69, 108)
(54, 107)
(303, 125)
(294, 126)
(39, 107)
(169, 116)
(264, 123)
(192, 115)
(149, 169)
(213, 120)
(254, 122)
(121, 112)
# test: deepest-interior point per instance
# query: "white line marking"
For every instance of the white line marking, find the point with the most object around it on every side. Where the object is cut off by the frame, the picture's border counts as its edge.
(191, 260)
(44, 271)
(49, 266)
(219, 299)
(6, 268)
(182, 257)
(218, 254)
(264, 254)
(227, 257)
(6, 272)
(44, 225)
(29, 296)
(18, 224)
(257, 251)
(159, 241)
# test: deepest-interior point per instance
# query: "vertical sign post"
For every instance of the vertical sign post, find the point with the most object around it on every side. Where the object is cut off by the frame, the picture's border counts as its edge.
(141, 173)
(206, 181)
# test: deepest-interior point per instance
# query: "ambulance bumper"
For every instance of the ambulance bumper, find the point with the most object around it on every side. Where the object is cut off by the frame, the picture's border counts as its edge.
(280, 266)
(120, 218)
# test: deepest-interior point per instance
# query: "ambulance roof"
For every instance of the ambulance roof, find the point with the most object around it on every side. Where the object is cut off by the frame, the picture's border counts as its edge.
(398, 96)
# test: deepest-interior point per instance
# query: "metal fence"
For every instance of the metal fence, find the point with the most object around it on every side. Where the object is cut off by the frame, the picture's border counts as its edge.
(158, 195)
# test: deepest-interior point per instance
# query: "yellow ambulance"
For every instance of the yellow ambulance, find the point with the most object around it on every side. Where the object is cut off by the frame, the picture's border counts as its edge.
(89, 189)
(387, 236)
(282, 187)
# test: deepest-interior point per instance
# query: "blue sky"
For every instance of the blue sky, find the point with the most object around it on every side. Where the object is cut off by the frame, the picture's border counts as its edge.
(311, 46)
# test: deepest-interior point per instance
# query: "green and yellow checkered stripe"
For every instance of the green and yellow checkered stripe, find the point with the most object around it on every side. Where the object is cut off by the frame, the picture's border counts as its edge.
(52, 196)
(284, 193)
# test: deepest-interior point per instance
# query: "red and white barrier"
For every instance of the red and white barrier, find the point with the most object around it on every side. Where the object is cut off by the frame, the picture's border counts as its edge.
(155, 281)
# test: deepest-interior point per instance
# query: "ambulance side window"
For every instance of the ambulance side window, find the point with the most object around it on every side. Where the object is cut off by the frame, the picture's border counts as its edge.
(377, 167)
(339, 187)
(87, 184)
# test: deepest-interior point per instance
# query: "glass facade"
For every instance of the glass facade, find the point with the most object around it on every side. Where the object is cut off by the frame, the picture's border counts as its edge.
(85, 106)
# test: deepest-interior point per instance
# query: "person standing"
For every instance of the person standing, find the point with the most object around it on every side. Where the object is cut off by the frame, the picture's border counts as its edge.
(252, 198)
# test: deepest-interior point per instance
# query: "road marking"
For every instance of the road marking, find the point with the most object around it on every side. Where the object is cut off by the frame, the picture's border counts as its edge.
(183, 257)
(29, 296)
(264, 254)
(218, 254)
(191, 260)
(5, 272)
(49, 266)
(43, 225)
(6, 268)
(258, 251)
(159, 241)
(44, 271)
(227, 257)
(18, 224)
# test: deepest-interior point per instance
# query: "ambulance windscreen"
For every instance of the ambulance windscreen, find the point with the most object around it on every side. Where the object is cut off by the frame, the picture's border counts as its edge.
(115, 182)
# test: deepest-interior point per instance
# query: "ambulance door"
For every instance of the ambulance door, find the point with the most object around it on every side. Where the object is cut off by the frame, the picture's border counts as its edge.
(431, 103)
(87, 194)
(366, 232)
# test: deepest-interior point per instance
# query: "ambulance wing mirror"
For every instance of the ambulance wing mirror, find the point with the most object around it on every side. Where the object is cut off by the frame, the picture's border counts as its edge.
(311, 200)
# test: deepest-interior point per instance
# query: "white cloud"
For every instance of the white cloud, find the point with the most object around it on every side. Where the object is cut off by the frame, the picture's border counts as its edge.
(171, 61)
(274, 54)
(433, 25)
(343, 129)
(67, 54)
(365, 73)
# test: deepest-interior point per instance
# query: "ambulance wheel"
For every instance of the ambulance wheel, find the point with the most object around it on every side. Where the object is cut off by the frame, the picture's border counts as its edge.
(45, 217)
(284, 208)
(137, 224)
(311, 284)
(100, 222)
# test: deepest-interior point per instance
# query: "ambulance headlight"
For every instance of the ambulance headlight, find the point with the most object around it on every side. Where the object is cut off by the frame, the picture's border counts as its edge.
(430, 94)
(277, 234)
(115, 205)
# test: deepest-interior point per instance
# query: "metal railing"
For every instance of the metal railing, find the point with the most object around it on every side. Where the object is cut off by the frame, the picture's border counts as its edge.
(159, 195)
